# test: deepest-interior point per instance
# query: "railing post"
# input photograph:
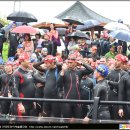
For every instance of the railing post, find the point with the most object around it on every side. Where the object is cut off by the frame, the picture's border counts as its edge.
(95, 109)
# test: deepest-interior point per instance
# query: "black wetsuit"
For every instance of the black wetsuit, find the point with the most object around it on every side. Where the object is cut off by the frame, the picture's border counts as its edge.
(86, 86)
(24, 87)
(124, 94)
(101, 90)
(5, 80)
(39, 79)
(50, 91)
(114, 78)
(71, 83)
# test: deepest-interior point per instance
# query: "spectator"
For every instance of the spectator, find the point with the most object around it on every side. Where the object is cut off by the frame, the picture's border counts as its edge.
(5, 49)
(73, 45)
(83, 48)
(28, 44)
(111, 53)
(48, 44)
(13, 41)
(53, 34)
(94, 54)
(96, 42)
(37, 41)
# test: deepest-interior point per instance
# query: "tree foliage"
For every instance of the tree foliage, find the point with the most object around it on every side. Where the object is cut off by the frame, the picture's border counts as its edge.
(4, 21)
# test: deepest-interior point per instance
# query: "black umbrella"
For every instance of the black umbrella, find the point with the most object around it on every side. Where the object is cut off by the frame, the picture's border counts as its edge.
(73, 20)
(22, 16)
(78, 34)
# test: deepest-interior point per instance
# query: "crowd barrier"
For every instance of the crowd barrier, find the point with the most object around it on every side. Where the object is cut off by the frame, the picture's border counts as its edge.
(96, 102)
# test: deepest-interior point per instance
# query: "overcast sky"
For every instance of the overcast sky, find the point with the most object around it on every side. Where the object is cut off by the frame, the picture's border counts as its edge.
(42, 9)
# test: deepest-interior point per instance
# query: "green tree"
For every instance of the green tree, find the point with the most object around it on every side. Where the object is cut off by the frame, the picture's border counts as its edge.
(4, 21)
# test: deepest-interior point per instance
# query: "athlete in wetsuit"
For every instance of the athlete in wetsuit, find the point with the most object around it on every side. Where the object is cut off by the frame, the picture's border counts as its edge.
(114, 77)
(6, 87)
(124, 95)
(50, 89)
(101, 89)
(70, 78)
(24, 87)
(86, 86)
(39, 79)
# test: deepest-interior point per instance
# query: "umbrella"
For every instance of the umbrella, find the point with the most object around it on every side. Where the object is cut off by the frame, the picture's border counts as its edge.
(21, 16)
(116, 26)
(61, 31)
(88, 24)
(24, 29)
(41, 31)
(123, 35)
(45, 30)
(78, 34)
(72, 20)
(54, 21)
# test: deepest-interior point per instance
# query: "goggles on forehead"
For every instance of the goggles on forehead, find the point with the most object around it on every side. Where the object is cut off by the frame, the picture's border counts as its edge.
(70, 62)
(101, 69)
(47, 59)
(9, 64)
(72, 59)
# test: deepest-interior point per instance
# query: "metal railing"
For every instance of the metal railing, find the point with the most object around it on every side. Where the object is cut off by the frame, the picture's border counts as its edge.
(96, 102)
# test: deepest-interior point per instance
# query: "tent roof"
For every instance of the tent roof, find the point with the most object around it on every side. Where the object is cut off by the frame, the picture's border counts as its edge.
(84, 13)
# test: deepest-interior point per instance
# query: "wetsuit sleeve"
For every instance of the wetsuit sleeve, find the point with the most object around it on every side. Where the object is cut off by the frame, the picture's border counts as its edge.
(60, 81)
(91, 85)
(113, 84)
(38, 67)
(37, 78)
(16, 85)
(59, 67)
(88, 70)
(121, 91)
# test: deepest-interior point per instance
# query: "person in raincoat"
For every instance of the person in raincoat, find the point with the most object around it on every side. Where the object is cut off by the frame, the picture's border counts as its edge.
(5, 49)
